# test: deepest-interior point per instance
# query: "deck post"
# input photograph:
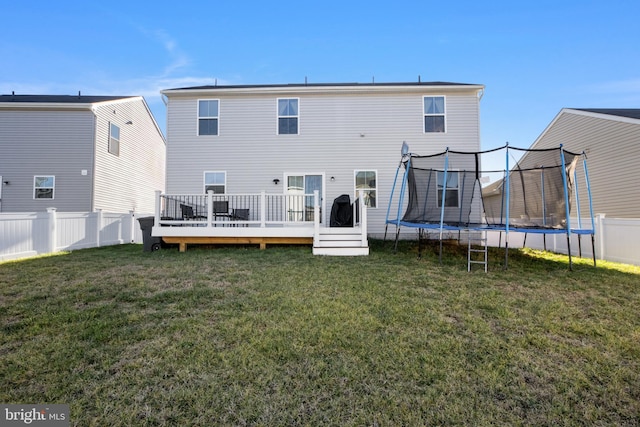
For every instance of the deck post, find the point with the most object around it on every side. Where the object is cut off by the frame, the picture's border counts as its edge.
(263, 209)
(316, 217)
(363, 222)
(209, 207)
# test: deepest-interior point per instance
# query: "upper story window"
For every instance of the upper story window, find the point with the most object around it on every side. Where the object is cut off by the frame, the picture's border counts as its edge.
(367, 187)
(43, 187)
(215, 181)
(114, 139)
(434, 114)
(208, 110)
(288, 116)
(451, 188)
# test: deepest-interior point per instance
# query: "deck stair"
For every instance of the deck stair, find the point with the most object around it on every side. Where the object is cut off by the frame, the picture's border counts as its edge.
(340, 241)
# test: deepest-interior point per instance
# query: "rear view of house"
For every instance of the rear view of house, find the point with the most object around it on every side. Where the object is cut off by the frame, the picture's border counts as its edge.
(336, 139)
(79, 154)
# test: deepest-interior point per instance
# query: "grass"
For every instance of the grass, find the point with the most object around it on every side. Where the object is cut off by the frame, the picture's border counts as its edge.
(239, 336)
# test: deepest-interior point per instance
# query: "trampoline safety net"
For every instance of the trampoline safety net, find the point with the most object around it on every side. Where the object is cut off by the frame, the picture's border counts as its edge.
(445, 187)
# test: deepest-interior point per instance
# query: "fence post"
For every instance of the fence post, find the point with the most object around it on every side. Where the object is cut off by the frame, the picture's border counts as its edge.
(53, 223)
(98, 226)
(158, 208)
(600, 233)
(132, 230)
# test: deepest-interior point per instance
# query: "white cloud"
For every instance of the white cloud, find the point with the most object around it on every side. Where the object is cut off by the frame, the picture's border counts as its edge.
(178, 59)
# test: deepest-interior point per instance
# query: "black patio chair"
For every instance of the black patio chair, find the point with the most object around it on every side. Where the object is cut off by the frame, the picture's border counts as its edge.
(187, 213)
(240, 215)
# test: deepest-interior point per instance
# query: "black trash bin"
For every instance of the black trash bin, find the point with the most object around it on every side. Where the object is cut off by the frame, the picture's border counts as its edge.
(149, 243)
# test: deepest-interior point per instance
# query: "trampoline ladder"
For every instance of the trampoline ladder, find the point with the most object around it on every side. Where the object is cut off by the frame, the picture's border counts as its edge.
(477, 246)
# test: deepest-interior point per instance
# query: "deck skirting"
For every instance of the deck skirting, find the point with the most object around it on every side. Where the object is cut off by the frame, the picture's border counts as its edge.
(183, 241)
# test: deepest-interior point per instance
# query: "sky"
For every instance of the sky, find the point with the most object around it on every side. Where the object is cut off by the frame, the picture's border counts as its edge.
(534, 58)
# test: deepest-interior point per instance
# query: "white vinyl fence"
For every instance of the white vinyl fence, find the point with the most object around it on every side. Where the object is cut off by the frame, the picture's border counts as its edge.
(35, 233)
(616, 239)
(28, 234)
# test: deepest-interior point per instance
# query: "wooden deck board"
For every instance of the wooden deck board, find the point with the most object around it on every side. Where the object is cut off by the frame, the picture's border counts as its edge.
(210, 240)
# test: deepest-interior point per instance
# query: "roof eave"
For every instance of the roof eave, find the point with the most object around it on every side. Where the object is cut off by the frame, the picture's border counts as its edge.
(322, 89)
(45, 106)
(600, 115)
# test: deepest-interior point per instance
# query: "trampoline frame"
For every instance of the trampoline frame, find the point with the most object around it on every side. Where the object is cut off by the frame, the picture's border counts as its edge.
(507, 227)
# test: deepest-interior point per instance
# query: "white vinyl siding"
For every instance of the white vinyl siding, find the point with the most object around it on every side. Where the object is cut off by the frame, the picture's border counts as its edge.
(46, 143)
(342, 133)
(129, 181)
(73, 145)
(613, 150)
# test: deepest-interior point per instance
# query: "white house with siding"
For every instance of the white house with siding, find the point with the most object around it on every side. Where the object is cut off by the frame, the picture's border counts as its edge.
(79, 154)
(299, 138)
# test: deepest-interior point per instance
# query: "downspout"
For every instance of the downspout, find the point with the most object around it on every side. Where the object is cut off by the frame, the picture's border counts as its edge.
(92, 196)
(165, 101)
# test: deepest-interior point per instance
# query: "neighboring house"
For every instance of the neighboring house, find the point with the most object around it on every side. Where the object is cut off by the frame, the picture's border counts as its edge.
(610, 138)
(79, 154)
(297, 138)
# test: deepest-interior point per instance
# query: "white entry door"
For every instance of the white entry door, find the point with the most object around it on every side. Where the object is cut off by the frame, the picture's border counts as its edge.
(301, 208)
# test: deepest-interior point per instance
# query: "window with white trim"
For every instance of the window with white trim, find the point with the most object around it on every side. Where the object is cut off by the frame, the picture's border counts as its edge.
(44, 186)
(208, 116)
(114, 139)
(367, 187)
(215, 181)
(288, 116)
(452, 193)
(434, 114)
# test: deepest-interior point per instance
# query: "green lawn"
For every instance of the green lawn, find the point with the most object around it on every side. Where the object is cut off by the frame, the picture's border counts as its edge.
(239, 336)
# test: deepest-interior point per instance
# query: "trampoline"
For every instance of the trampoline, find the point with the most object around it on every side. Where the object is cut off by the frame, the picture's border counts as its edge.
(441, 194)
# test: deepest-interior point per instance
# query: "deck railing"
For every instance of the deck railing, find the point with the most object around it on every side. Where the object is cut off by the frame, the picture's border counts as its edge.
(254, 210)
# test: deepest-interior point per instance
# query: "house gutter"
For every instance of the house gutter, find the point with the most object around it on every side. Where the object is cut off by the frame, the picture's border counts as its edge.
(45, 106)
(323, 89)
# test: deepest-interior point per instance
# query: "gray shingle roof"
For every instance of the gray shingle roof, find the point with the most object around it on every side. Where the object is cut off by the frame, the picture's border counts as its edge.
(324, 85)
(632, 113)
(60, 99)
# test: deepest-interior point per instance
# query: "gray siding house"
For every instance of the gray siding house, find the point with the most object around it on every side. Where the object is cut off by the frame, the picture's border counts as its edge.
(298, 138)
(611, 140)
(79, 154)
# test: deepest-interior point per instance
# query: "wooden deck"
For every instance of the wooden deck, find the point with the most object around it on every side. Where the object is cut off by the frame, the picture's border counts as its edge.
(221, 240)
(268, 220)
